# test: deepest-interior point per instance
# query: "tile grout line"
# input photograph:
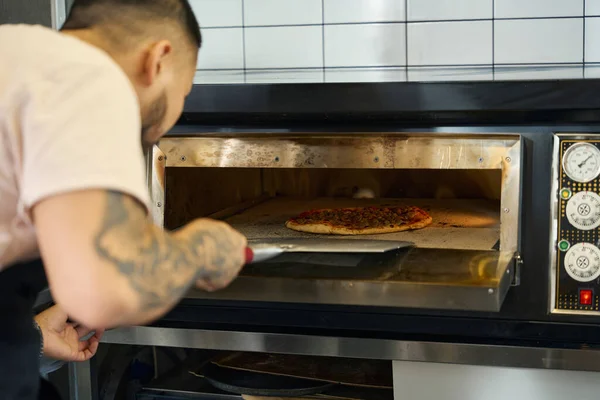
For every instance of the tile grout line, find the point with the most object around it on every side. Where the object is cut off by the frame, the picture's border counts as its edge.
(584, 39)
(395, 22)
(244, 38)
(323, 36)
(370, 68)
(406, 39)
(404, 66)
(494, 40)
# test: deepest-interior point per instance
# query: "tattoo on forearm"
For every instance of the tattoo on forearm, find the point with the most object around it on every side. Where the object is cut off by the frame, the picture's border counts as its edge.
(158, 267)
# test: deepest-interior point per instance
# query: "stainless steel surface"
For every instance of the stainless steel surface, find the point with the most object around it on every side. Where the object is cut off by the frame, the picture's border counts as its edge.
(427, 381)
(350, 150)
(453, 353)
(360, 150)
(264, 253)
(473, 278)
(80, 381)
(417, 278)
(265, 249)
(59, 13)
(511, 198)
(156, 178)
(306, 245)
(554, 220)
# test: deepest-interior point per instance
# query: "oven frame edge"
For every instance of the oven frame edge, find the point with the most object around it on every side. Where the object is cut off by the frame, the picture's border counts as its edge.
(510, 163)
(156, 167)
(83, 375)
(59, 13)
(582, 359)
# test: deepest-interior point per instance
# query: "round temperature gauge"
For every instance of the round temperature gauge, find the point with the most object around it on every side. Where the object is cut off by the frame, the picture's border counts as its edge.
(583, 210)
(582, 262)
(581, 162)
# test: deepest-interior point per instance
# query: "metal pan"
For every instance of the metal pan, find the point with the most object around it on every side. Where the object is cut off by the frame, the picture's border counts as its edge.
(258, 384)
(262, 250)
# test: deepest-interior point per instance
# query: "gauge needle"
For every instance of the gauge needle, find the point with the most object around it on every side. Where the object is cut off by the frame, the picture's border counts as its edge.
(584, 161)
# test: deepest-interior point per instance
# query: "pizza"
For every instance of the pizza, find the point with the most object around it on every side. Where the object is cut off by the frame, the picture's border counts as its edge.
(360, 220)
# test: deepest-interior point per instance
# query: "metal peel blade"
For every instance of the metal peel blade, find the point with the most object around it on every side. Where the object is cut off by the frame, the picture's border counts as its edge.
(262, 250)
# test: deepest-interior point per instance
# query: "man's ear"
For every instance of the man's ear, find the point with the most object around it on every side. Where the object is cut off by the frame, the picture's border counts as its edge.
(154, 61)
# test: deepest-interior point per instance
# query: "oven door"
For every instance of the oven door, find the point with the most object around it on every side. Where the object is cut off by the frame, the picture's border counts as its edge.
(470, 184)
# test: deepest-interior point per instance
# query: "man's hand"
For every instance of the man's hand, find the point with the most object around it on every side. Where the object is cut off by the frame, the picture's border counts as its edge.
(220, 249)
(62, 339)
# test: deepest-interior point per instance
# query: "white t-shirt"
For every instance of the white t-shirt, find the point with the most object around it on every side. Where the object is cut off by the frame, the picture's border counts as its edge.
(69, 120)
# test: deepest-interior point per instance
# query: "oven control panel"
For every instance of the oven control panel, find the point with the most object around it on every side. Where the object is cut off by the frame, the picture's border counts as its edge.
(576, 223)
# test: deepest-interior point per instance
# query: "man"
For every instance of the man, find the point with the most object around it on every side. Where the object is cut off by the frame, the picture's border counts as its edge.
(72, 179)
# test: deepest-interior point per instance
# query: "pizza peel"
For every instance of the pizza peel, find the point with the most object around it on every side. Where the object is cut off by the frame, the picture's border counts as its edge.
(260, 250)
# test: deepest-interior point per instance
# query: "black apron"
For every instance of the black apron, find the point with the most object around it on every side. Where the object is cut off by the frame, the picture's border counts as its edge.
(19, 339)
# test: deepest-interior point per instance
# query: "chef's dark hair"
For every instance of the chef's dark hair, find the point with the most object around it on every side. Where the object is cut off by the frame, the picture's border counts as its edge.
(86, 14)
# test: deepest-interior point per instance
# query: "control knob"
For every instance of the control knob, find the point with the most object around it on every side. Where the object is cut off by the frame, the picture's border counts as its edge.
(582, 262)
(583, 210)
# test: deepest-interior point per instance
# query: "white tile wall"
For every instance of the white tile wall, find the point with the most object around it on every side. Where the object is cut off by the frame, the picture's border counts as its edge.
(537, 72)
(539, 41)
(211, 13)
(592, 7)
(286, 47)
(347, 11)
(365, 75)
(592, 39)
(592, 71)
(538, 8)
(427, 10)
(219, 77)
(443, 43)
(286, 41)
(448, 74)
(282, 12)
(365, 45)
(285, 76)
(222, 48)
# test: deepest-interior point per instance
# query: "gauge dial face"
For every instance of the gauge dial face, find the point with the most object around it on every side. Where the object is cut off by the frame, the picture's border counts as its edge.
(582, 262)
(583, 210)
(581, 162)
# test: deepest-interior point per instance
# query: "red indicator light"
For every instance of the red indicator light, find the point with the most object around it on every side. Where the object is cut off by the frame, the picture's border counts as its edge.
(585, 297)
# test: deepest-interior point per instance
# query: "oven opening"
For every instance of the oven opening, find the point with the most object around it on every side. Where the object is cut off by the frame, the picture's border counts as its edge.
(469, 184)
(464, 203)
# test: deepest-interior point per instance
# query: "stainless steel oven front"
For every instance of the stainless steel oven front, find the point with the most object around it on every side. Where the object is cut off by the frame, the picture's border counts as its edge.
(470, 184)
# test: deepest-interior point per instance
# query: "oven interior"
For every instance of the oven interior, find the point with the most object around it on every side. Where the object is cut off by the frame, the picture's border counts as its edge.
(464, 204)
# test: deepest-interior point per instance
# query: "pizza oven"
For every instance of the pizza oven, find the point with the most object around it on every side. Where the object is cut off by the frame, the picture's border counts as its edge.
(470, 184)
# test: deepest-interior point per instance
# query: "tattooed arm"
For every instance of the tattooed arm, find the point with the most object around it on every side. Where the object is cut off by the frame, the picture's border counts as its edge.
(108, 265)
